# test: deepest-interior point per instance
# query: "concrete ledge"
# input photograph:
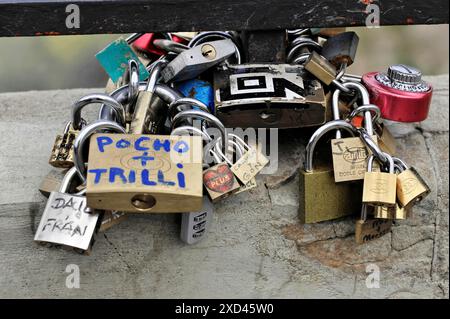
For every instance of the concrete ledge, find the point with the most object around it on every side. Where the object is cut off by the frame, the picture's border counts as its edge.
(256, 247)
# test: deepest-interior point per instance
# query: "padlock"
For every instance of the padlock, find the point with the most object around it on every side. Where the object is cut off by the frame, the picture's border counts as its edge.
(219, 181)
(192, 62)
(208, 36)
(250, 163)
(268, 95)
(67, 220)
(368, 229)
(321, 68)
(198, 89)
(62, 151)
(350, 154)
(141, 173)
(247, 167)
(380, 187)
(115, 57)
(401, 94)
(320, 197)
(150, 111)
(194, 226)
(411, 187)
(341, 48)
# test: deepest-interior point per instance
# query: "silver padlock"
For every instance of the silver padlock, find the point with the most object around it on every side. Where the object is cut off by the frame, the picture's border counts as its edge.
(190, 63)
(66, 219)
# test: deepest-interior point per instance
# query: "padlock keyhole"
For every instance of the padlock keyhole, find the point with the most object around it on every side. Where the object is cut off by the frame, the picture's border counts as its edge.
(143, 201)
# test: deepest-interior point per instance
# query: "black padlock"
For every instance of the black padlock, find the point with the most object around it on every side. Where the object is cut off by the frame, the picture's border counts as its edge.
(341, 49)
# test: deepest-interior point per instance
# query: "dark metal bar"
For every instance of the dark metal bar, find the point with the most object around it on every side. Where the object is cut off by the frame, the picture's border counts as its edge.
(34, 18)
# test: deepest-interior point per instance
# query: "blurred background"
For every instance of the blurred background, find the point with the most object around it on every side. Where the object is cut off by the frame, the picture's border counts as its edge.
(60, 62)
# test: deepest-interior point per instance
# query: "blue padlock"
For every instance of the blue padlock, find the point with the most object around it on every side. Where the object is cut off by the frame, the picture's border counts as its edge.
(198, 89)
(114, 59)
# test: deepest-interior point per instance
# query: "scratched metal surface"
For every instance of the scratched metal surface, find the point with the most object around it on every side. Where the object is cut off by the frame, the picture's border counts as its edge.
(45, 17)
(256, 247)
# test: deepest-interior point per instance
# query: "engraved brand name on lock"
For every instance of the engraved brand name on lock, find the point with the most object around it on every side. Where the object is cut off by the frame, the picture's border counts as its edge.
(355, 155)
(144, 160)
(379, 186)
(409, 185)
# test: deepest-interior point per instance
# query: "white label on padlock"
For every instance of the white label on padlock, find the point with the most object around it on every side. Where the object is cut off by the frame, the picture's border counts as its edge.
(66, 222)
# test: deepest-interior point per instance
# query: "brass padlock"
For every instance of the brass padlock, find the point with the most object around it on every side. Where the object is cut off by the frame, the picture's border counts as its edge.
(321, 68)
(368, 229)
(411, 187)
(350, 154)
(380, 187)
(395, 212)
(150, 111)
(145, 173)
(62, 152)
(268, 95)
(320, 197)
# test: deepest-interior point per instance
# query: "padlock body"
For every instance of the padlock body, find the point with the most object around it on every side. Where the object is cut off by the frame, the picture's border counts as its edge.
(62, 152)
(397, 105)
(199, 90)
(371, 229)
(322, 199)
(149, 114)
(341, 48)
(268, 95)
(321, 68)
(195, 225)
(379, 189)
(411, 187)
(145, 173)
(114, 60)
(349, 158)
(68, 221)
(220, 182)
(249, 165)
(383, 212)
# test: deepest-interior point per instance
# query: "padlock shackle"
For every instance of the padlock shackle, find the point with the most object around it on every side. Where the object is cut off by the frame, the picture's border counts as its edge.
(84, 135)
(131, 77)
(390, 160)
(321, 131)
(67, 181)
(117, 108)
(211, 119)
(402, 164)
(155, 74)
(181, 130)
(187, 101)
(366, 108)
(239, 150)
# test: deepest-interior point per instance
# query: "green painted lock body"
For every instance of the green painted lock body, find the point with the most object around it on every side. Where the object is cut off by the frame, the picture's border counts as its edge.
(321, 198)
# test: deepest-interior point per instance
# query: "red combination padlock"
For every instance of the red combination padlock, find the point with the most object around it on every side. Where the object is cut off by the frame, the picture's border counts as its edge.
(401, 94)
(145, 42)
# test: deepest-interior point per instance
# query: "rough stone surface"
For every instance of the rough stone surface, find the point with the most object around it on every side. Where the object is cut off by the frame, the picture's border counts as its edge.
(256, 247)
